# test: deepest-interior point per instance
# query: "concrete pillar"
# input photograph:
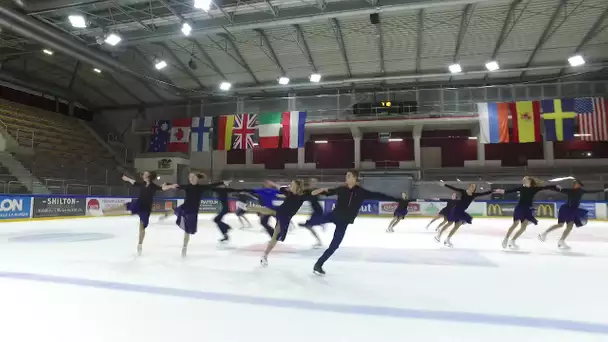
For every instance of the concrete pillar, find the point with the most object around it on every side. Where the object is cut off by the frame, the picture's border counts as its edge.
(357, 152)
(248, 157)
(301, 158)
(548, 153)
(417, 135)
(71, 108)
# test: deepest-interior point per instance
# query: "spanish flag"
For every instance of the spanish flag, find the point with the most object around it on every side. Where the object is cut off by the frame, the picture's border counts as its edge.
(222, 132)
(526, 121)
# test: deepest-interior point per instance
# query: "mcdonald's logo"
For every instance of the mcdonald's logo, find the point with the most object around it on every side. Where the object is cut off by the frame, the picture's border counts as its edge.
(545, 210)
(494, 210)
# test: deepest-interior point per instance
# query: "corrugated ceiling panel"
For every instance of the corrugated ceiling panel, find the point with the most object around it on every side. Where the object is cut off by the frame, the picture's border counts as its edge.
(284, 43)
(229, 67)
(324, 48)
(249, 44)
(440, 33)
(532, 17)
(400, 37)
(482, 33)
(362, 46)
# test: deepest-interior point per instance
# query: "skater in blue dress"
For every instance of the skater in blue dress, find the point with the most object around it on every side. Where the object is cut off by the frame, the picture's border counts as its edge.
(400, 212)
(458, 215)
(187, 213)
(570, 214)
(524, 210)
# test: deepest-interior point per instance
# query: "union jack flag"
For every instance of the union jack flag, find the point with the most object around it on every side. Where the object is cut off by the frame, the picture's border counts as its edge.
(244, 130)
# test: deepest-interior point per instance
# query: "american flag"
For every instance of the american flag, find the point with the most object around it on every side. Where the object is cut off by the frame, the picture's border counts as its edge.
(244, 130)
(160, 136)
(592, 118)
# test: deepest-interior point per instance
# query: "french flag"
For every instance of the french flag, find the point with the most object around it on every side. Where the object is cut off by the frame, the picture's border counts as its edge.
(293, 129)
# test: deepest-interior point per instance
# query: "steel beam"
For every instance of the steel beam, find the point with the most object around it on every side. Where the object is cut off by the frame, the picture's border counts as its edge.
(182, 66)
(301, 41)
(340, 40)
(74, 73)
(273, 55)
(165, 80)
(506, 28)
(127, 91)
(380, 40)
(467, 14)
(419, 39)
(546, 33)
(214, 66)
(141, 23)
(239, 58)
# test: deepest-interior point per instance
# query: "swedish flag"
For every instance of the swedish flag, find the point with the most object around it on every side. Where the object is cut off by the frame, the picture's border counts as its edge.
(559, 118)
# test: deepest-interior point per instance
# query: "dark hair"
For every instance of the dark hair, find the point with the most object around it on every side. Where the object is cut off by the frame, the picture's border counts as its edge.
(354, 172)
(579, 182)
(153, 175)
(200, 175)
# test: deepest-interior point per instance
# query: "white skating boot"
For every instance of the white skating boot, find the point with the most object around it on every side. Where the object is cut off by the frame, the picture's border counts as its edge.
(184, 251)
(448, 243)
(139, 248)
(561, 244)
(264, 261)
(505, 243)
(390, 230)
(513, 245)
(438, 237)
(542, 237)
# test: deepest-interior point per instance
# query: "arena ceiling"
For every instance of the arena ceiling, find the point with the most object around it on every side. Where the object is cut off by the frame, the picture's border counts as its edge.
(251, 43)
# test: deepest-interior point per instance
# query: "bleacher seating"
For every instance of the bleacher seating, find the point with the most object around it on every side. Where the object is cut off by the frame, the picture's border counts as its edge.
(9, 183)
(63, 149)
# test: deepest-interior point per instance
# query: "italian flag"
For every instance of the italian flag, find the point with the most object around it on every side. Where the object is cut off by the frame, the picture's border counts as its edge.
(269, 126)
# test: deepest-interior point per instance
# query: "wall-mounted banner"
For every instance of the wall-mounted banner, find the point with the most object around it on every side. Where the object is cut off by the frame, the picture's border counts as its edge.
(95, 206)
(368, 207)
(15, 207)
(543, 210)
(209, 206)
(413, 208)
(590, 207)
(163, 205)
(59, 206)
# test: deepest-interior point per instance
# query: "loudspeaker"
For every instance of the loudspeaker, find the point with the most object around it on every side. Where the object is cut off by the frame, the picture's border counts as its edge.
(374, 18)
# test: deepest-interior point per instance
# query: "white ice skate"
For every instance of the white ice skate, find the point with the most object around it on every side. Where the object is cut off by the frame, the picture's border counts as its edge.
(264, 261)
(513, 245)
(184, 252)
(139, 249)
(505, 243)
(542, 237)
(390, 230)
(448, 243)
(438, 238)
(562, 245)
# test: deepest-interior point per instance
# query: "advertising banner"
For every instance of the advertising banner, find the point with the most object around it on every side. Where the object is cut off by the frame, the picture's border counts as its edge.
(590, 207)
(368, 207)
(96, 205)
(15, 207)
(413, 208)
(543, 210)
(163, 205)
(209, 205)
(59, 206)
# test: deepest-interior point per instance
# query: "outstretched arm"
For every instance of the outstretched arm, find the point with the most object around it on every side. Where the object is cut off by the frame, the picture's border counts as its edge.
(510, 191)
(380, 196)
(595, 191)
(453, 188)
(325, 191)
(128, 179)
(479, 194)
(166, 186)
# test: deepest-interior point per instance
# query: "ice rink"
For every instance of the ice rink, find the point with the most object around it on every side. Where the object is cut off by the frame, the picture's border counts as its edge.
(79, 279)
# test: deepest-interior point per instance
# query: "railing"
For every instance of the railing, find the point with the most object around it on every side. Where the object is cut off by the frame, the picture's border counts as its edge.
(24, 138)
(4, 186)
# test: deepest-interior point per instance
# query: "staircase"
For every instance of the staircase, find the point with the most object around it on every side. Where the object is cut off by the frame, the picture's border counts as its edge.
(22, 175)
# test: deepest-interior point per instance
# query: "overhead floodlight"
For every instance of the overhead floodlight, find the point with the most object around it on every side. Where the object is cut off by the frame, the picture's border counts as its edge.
(492, 66)
(560, 179)
(113, 39)
(160, 65)
(320, 141)
(283, 80)
(186, 29)
(395, 139)
(77, 21)
(582, 135)
(472, 138)
(48, 52)
(205, 5)
(225, 86)
(576, 60)
(455, 68)
(97, 70)
(315, 78)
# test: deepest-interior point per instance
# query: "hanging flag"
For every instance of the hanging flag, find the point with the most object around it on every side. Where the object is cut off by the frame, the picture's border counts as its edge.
(493, 122)
(244, 130)
(592, 118)
(293, 129)
(222, 132)
(201, 129)
(160, 136)
(180, 135)
(559, 117)
(526, 121)
(269, 127)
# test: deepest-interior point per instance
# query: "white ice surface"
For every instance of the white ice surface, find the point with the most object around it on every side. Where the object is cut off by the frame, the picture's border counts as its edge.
(69, 280)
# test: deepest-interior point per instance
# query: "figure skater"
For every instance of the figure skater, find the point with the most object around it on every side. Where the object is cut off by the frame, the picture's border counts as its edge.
(443, 213)
(266, 197)
(187, 213)
(222, 196)
(142, 206)
(569, 213)
(241, 208)
(293, 201)
(400, 212)
(317, 210)
(458, 215)
(350, 199)
(524, 211)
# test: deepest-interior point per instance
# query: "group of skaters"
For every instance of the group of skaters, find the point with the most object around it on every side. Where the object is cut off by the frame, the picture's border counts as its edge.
(350, 197)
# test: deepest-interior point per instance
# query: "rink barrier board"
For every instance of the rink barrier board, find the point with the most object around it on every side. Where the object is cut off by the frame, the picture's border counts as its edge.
(43, 207)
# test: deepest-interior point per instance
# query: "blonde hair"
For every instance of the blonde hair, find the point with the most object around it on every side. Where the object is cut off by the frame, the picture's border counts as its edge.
(299, 186)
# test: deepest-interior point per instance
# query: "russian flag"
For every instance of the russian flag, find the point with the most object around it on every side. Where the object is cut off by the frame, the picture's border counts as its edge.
(293, 129)
(493, 122)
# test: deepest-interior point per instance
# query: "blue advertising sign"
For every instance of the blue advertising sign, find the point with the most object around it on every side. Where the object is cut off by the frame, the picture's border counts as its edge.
(368, 207)
(590, 207)
(15, 207)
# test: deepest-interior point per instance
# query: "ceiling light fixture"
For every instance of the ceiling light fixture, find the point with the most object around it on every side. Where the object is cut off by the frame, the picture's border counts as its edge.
(77, 21)
(283, 80)
(113, 39)
(225, 86)
(315, 78)
(186, 29)
(205, 5)
(48, 52)
(97, 70)
(492, 66)
(576, 60)
(160, 65)
(455, 68)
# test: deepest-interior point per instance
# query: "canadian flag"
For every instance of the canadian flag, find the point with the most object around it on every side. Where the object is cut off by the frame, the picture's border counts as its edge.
(180, 135)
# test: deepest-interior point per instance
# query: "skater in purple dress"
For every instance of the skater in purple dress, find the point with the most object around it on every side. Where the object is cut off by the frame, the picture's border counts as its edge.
(458, 215)
(400, 212)
(569, 213)
(524, 211)
(142, 206)
(443, 213)
(187, 213)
